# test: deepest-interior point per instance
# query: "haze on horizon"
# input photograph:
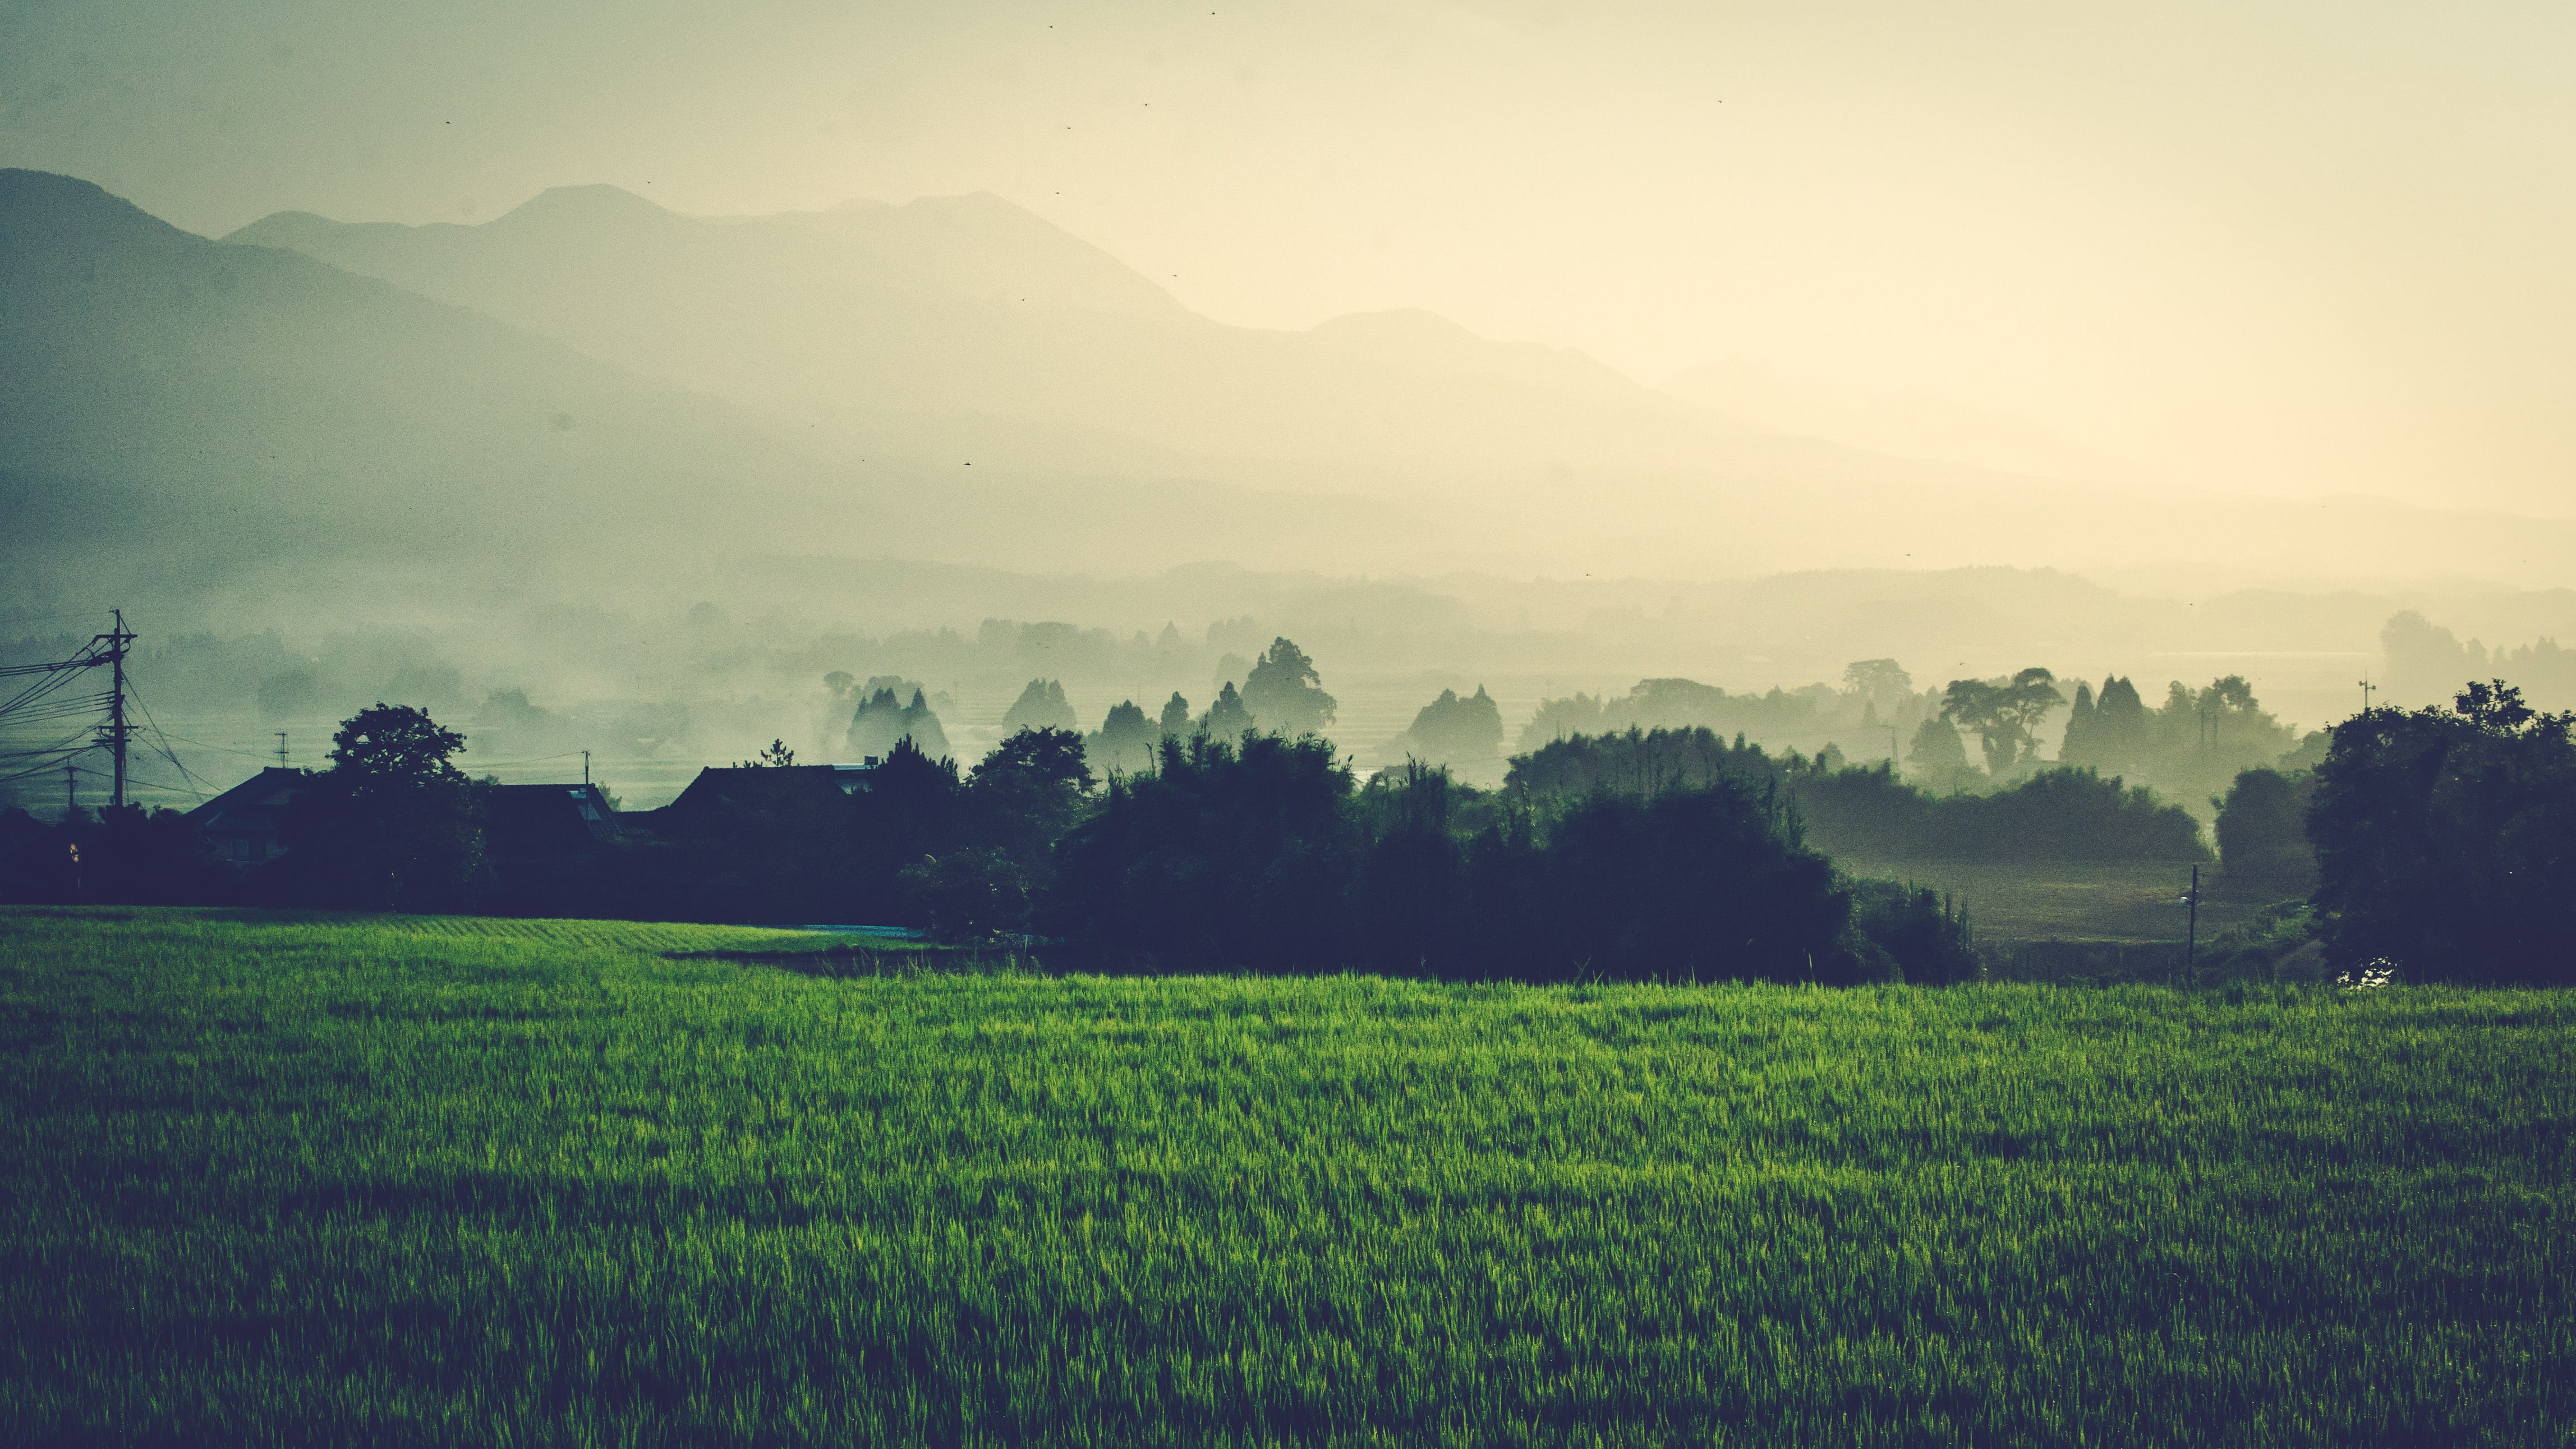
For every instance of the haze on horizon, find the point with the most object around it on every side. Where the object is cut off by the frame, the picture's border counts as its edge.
(2294, 250)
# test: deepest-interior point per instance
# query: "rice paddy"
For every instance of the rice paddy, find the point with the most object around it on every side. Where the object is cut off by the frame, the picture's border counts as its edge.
(274, 1179)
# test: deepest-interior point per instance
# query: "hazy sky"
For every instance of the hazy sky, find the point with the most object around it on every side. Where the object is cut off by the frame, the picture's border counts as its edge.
(2285, 246)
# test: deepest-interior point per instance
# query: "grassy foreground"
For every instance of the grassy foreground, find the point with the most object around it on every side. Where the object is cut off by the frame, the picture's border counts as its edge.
(489, 1182)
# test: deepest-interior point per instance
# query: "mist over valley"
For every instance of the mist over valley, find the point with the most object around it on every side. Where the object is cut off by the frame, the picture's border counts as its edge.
(540, 455)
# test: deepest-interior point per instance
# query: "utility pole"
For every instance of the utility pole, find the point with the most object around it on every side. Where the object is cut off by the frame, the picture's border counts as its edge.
(117, 730)
(71, 791)
(2366, 688)
(281, 749)
(585, 769)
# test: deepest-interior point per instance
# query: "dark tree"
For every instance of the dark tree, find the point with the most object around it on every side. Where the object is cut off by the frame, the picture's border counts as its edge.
(1694, 884)
(2054, 815)
(2446, 842)
(1175, 723)
(125, 855)
(1028, 792)
(1414, 914)
(969, 894)
(1125, 742)
(1643, 763)
(1923, 933)
(1226, 855)
(392, 824)
(2263, 833)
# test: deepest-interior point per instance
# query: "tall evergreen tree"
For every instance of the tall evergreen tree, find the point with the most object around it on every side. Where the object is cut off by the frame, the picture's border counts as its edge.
(1227, 718)
(1041, 706)
(1125, 742)
(2119, 729)
(2078, 745)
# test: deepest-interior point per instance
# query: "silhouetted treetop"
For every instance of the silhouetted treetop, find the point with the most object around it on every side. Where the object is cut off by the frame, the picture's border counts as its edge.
(1285, 694)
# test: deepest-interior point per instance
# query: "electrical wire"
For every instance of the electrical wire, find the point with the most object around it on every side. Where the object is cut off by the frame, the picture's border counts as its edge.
(48, 767)
(187, 776)
(27, 697)
(60, 709)
(225, 749)
(82, 735)
(89, 658)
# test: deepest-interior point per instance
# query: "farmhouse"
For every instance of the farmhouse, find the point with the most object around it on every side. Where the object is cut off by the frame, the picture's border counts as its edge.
(727, 795)
(242, 824)
(544, 822)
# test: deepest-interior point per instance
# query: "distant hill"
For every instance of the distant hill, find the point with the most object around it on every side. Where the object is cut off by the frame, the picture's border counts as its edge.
(254, 414)
(965, 328)
(595, 388)
(248, 424)
(879, 321)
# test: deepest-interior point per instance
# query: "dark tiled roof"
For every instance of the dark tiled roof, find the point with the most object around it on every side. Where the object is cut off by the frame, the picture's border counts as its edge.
(755, 787)
(252, 807)
(538, 820)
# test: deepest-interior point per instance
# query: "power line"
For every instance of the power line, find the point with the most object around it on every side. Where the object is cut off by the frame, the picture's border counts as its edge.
(187, 776)
(33, 704)
(223, 749)
(28, 696)
(47, 767)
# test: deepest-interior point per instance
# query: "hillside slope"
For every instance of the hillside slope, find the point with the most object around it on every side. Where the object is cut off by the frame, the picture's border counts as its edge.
(965, 328)
(241, 425)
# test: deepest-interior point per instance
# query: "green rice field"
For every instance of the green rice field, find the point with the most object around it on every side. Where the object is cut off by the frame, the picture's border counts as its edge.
(326, 1180)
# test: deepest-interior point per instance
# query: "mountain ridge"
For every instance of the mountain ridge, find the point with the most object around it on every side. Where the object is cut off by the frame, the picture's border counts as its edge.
(564, 385)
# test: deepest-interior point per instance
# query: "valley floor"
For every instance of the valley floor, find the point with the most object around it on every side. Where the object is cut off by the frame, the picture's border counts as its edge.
(311, 1179)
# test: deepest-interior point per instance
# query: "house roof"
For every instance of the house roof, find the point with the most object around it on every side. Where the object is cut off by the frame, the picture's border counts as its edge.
(252, 807)
(739, 787)
(531, 820)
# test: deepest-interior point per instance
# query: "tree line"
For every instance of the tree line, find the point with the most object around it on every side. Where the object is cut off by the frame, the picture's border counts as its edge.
(2440, 841)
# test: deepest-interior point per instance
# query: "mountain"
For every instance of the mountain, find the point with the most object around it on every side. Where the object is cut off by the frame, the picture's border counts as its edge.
(881, 322)
(249, 426)
(232, 409)
(594, 388)
(963, 328)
